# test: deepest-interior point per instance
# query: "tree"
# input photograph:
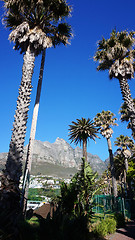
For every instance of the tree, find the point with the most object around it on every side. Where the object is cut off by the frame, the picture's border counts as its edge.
(131, 168)
(125, 143)
(35, 25)
(104, 182)
(88, 187)
(119, 164)
(81, 131)
(104, 121)
(116, 54)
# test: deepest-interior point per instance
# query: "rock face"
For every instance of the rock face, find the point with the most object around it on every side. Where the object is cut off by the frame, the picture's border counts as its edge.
(59, 153)
(62, 154)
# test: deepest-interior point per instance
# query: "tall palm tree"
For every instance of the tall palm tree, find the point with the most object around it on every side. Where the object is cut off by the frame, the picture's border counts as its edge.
(104, 121)
(116, 54)
(81, 131)
(35, 25)
(126, 144)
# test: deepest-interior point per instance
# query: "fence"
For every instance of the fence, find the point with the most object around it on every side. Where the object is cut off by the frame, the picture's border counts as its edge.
(107, 204)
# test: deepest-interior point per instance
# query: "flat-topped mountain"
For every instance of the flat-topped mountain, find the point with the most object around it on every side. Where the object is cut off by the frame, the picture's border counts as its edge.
(58, 158)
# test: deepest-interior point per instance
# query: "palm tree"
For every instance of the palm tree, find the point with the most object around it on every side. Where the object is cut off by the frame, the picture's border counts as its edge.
(125, 116)
(35, 25)
(126, 144)
(120, 169)
(81, 131)
(117, 55)
(104, 121)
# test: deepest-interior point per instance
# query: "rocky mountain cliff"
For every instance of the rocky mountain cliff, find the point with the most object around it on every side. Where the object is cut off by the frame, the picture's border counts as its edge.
(56, 157)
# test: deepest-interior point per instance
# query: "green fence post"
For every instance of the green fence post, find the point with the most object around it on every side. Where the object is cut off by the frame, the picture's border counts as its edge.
(123, 205)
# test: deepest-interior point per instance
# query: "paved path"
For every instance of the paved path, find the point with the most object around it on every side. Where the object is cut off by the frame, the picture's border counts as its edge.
(127, 233)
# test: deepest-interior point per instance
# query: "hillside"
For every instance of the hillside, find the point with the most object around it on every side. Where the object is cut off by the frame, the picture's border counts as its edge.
(57, 159)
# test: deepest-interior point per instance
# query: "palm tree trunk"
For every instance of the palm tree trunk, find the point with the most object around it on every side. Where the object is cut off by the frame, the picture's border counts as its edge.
(28, 163)
(125, 176)
(85, 149)
(126, 94)
(121, 184)
(126, 164)
(11, 175)
(114, 184)
(125, 182)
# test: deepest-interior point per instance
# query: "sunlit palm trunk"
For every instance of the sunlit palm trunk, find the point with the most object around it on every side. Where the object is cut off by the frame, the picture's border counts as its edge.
(125, 182)
(125, 175)
(126, 164)
(128, 100)
(28, 163)
(114, 184)
(85, 149)
(121, 184)
(11, 175)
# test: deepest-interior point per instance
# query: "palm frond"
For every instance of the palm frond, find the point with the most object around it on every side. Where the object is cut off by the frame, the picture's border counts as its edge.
(117, 53)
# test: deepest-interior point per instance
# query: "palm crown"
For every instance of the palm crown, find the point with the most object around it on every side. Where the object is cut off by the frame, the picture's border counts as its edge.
(124, 142)
(81, 130)
(38, 24)
(104, 120)
(117, 54)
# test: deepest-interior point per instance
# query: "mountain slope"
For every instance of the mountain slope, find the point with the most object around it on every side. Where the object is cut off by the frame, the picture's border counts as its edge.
(58, 158)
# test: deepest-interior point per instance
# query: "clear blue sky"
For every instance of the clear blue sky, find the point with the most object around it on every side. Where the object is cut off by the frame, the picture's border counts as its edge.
(72, 87)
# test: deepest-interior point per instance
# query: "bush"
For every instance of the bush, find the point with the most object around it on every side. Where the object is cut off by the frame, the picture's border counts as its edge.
(104, 227)
(111, 225)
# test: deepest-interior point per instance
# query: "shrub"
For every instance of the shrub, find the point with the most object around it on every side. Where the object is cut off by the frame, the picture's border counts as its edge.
(111, 225)
(105, 227)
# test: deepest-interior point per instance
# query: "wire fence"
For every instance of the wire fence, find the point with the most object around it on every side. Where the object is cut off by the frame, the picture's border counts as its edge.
(108, 204)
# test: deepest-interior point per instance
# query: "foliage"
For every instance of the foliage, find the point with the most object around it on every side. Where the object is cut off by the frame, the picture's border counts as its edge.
(105, 182)
(125, 116)
(38, 24)
(104, 121)
(36, 193)
(28, 231)
(77, 197)
(104, 227)
(131, 168)
(81, 130)
(124, 142)
(115, 53)
(64, 227)
(119, 164)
